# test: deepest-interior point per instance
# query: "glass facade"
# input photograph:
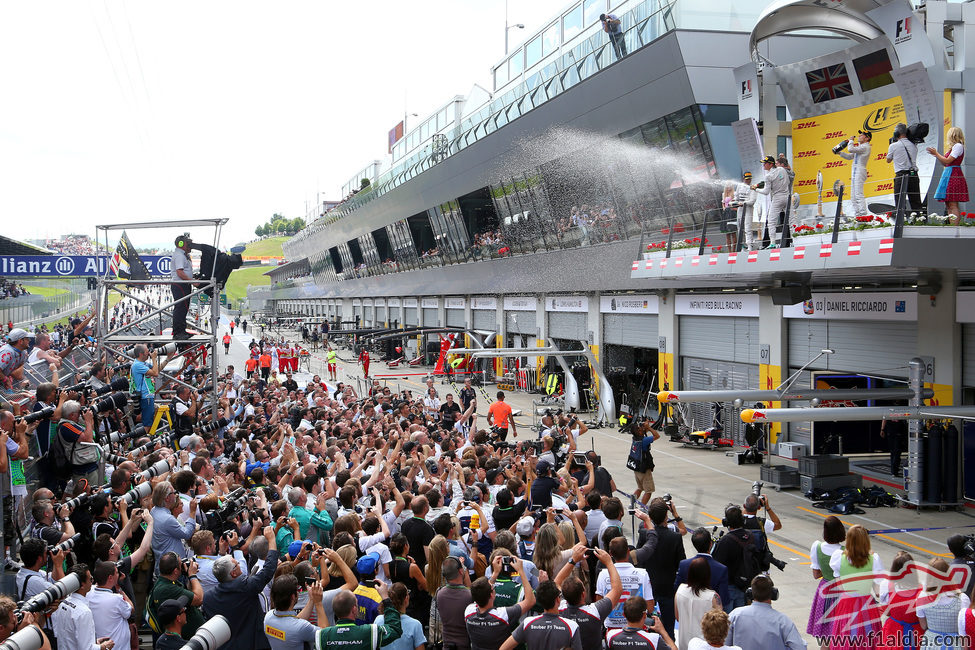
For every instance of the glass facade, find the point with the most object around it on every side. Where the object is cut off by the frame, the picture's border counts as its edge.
(656, 181)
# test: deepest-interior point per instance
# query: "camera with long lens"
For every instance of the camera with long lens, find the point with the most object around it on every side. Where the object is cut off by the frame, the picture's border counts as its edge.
(211, 635)
(80, 387)
(30, 418)
(121, 367)
(969, 546)
(166, 348)
(159, 467)
(137, 493)
(66, 545)
(29, 638)
(109, 403)
(222, 520)
(206, 427)
(164, 441)
(114, 459)
(117, 384)
(79, 500)
(58, 591)
(757, 488)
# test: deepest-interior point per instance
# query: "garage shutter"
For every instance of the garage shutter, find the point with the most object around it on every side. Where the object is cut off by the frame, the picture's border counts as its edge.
(395, 314)
(410, 316)
(430, 317)
(635, 330)
(485, 320)
(455, 317)
(520, 322)
(860, 346)
(380, 315)
(368, 316)
(716, 337)
(568, 325)
(709, 374)
(968, 354)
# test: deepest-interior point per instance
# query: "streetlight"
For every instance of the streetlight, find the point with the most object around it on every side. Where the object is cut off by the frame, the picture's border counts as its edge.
(508, 27)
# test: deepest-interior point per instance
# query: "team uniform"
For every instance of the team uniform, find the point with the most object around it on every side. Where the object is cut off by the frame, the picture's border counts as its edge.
(490, 629)
(631, 638)
(548, 631)
(636, 582)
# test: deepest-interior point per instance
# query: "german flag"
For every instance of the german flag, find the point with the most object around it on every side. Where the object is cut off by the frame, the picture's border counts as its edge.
(873, 70)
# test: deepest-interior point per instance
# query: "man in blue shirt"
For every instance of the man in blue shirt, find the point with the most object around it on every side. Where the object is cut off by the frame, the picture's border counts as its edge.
(142, 375)
(759, 626)
(612, 26)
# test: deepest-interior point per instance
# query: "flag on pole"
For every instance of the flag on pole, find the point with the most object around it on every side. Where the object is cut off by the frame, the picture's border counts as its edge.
(126, 263)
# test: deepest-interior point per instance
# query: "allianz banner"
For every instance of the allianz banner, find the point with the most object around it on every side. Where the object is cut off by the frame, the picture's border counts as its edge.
(814, 137)
(72, 265)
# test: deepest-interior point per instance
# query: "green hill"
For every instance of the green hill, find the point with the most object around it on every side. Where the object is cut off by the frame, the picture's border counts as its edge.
(238, 281)
(270, 247)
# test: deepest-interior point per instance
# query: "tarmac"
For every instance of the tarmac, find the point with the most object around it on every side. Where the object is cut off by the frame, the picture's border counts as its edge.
(702, 482)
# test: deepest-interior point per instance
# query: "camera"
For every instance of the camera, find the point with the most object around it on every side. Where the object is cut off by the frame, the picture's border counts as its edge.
(211, 635)
(507, 562)
(667, 498)
(159, 467)
(117, 384)
(213, 426)
(66, 545)
(58, 591)
(757, 488)
(29, 638)
(137, 493)
(79, 500)
(114, 459)
(75, 388)
(109, 403)
(165, 348)
(30, 418)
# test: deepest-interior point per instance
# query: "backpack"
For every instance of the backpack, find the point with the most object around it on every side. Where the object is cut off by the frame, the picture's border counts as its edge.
(639, 460)
(59, 457)
(750, 565)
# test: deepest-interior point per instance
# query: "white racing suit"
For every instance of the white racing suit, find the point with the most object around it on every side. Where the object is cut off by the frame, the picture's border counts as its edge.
(778, 192)
(745, 198)
(859, 154)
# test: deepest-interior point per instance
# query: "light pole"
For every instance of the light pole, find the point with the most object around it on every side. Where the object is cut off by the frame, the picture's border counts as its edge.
(508, 27)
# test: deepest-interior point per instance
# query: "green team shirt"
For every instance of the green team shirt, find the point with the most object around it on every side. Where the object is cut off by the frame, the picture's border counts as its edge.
(346, 635)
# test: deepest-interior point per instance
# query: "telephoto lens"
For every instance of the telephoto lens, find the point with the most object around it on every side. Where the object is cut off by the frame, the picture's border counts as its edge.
(66, 545)
(59, 590)
(210, 636)
(115, 459)
(79, 500)
(118, 384)
(29, 638)
(206, 427)
(75, 388)
(137, 493)
(109, 403)
(45, 412)
(160, 467)
(757, 488)
(167, 349)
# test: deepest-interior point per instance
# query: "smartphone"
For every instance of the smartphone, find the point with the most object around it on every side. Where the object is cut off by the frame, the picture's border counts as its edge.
(291, 440)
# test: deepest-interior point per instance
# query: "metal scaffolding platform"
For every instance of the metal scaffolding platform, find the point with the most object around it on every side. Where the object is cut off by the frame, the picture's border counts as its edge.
(118, 343)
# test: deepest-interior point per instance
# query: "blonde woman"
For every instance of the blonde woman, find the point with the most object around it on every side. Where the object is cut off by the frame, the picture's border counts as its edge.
(439, 549)
(938, 612)
(952, 189)
(856, 605)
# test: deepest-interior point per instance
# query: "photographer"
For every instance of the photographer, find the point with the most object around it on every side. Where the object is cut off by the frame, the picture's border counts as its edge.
(640, 460)
(44, 527)
(168, 533)
(738, 550)
(545, 484)
(903, 154)
(142, 375)
(184, 406)
(72, 435)
(170, 586)
(74, 626)
(110, 608)
(762, 526)
(661, 555)
(34, 554)
(9, 624)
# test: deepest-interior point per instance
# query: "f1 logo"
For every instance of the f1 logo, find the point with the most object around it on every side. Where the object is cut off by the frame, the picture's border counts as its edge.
(903, 27)
(746, 86)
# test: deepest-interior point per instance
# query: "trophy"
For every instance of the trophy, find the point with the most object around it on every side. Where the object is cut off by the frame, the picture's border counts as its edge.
(819, 194)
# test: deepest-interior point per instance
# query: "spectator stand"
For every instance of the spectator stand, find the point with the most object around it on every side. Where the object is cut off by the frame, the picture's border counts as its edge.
(118, 343)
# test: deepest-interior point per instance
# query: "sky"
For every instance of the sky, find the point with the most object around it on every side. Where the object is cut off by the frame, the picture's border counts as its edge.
(117, 111)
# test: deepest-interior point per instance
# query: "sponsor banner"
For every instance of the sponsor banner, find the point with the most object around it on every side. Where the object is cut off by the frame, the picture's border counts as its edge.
(897, 306)
(73, 265)
(814, 137)
(409, 302)
(367, 302)
(429, 303)
(905, 31)
(746, 80)
(728, 304)
(379, 302)
(520, 303)
(455, 303)
(263, 259)
(484, 303)
(629, 304)
(357, 302)
(965, 307)
(567, 303)
(393, 302)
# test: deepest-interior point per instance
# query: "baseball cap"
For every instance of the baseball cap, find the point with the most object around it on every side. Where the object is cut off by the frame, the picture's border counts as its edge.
(169, 610)
(17, 334)
(543, 466)
(768, 159)
(366, 566)
(869, 134)
(747, 174)
(294, 548)
(525, 526)
(492, 474)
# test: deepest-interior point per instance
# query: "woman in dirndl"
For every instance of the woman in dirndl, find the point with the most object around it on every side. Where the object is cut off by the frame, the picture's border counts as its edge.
(834, 533)
(901, 627)
(938, 613)
(952, 189)
(859, 576)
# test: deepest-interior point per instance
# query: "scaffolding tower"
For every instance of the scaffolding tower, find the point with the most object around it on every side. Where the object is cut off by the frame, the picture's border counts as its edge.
(117, 344)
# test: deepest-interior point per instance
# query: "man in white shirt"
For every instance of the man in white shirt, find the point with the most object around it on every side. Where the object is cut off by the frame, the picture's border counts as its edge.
(110, 609)
(73, 624)
(636, 582)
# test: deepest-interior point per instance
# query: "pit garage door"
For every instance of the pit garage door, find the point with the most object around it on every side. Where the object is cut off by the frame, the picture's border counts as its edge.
(633, 330)
(568, 325)
(875, 347)
(520, 322)
(455, 317)
(726, 338)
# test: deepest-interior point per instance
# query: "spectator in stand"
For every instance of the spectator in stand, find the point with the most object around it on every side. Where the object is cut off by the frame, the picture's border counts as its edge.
(13, 356)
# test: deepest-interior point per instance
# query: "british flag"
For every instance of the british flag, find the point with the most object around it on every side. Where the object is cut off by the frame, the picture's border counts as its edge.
(831, 82)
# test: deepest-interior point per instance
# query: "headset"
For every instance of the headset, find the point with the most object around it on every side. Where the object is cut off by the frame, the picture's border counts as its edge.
(775, 591)
(182, 240)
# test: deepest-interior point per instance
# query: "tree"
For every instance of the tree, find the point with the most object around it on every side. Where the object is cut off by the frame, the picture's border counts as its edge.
(259, 231)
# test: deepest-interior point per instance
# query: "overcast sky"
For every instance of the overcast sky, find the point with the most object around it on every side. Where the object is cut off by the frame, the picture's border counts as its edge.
(124, 111)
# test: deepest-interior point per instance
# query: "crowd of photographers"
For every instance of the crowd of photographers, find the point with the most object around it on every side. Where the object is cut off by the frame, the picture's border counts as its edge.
(312, 516)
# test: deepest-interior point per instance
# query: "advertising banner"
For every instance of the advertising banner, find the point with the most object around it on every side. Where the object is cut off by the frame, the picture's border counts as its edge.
(567, 303)
(729, 304)
(897, 305)
(629, 304)
(72, 265)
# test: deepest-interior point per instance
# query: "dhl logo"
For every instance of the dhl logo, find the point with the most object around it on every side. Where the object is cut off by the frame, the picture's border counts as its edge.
(804, 183)
(805, 125)
(834, 163)
(885, 186)
(807, 154)
(833, 134)
(880, 156)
